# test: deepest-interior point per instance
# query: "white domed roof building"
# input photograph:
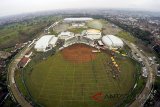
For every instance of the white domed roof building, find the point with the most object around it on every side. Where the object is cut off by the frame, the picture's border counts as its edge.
(112, 41)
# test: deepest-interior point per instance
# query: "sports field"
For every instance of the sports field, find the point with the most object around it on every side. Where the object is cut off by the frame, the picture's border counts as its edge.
(76, 77)
(96, 24)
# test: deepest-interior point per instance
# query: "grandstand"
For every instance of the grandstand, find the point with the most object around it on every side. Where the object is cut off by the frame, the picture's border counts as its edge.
(78, 39)
(93, 34)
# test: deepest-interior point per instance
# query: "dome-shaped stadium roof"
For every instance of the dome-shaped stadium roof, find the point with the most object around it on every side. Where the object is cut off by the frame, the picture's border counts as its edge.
(112, 41)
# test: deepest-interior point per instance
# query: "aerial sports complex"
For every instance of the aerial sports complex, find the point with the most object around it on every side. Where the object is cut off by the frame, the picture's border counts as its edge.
(81, 66)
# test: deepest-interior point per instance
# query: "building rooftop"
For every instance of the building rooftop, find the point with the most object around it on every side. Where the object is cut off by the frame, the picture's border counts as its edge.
(93, 31)
(78, 19)
(4, 55)
(23, 61)
(67, 33)
(111, 40)
(44, 41)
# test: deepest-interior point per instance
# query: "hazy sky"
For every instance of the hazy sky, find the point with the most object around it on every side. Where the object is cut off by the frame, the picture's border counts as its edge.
(8, 7)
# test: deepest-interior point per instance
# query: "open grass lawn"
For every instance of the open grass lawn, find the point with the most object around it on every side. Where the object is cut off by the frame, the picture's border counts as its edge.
(96, 24)
(126, 36)
(60, 83)
(77, 30)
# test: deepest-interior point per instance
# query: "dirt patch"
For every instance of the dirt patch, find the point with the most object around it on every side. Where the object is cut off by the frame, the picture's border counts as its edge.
(78, 53)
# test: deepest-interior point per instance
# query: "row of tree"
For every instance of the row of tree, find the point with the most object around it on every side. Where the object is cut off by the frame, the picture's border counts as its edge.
(143, 35)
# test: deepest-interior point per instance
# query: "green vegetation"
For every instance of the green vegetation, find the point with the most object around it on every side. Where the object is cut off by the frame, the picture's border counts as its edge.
(19, 79)
(53, 32)
(140, 81)
(23, 31)
(96, 24)
(57, 82)
(126, 36)
(157, 84)
(143, 35)
(77, 30)
(9, 103)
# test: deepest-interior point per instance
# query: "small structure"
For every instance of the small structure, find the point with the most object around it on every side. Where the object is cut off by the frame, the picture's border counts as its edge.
(2, 64)
(158, 70)
(78, 25)
(96, 51)
(140, 60)
(23, 62)
(4, 55)
(28, 54)
(144, 72)
(19, 46)
(158, 73)
(46, 43)
(100, 43)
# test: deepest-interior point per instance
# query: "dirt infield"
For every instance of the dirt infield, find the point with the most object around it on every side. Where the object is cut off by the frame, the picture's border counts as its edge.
(78, 53)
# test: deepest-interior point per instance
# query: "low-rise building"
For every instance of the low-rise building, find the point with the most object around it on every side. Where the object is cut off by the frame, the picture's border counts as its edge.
(144, 72)
(77, 25)
(93, 34)
(4, 55)
(46, 43)
(65, 35)
(28, 54)
(23, 62)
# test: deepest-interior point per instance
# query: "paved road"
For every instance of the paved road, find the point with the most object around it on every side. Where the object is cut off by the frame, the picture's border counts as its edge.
(11, 81)
(141, 99)
(13, 87)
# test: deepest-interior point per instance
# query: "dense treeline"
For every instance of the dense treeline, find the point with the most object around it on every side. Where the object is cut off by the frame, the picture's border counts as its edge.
(144, 35)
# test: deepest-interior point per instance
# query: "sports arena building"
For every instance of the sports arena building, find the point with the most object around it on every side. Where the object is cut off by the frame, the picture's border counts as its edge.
(46, 43)
(93, 34)
(111, 41)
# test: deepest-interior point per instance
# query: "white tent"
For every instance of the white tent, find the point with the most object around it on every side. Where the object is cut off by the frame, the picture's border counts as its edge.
(46, 43)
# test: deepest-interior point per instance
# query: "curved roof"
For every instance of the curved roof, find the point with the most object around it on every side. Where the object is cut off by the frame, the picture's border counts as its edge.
(78, 19)
(112, 41)
(93, 31)
(44, 41)
(67, 33)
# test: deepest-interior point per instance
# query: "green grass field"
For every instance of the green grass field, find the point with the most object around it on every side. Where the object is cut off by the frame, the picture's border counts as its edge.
(127, 36)
(77, 30)
(60, 83)
(96, 24)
